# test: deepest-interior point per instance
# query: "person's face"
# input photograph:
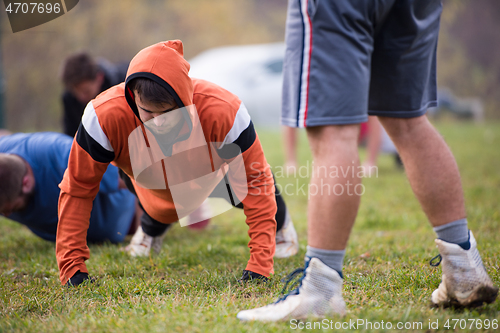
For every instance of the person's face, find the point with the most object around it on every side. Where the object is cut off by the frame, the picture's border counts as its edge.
(87, 90)
(159, 118)
(25, 192)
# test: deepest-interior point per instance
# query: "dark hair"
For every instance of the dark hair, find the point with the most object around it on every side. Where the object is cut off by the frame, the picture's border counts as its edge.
(151, 91)
(78, 68)
(12, 171)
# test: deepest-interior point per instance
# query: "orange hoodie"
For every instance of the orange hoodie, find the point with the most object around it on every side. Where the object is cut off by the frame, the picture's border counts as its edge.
(103, 137)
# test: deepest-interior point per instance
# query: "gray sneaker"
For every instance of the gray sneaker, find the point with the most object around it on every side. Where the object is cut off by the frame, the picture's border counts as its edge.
(287, 243)
(465, 282)
(141, 244)
(318, 295)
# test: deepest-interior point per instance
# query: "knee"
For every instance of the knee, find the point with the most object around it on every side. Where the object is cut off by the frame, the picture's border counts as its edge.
(401, 128)
(333, 133)
(332, 138)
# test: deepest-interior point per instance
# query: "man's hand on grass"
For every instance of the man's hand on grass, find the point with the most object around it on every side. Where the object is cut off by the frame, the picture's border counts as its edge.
(250, 276)
(78, 279)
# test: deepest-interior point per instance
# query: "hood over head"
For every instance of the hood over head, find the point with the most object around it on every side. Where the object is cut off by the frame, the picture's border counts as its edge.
(163, 63)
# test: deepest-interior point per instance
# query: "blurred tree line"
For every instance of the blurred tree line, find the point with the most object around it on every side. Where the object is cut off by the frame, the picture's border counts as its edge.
(468, 51)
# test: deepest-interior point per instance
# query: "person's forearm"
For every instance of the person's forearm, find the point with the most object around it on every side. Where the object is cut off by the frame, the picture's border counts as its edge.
(260, 209)
(71, 240)
(262, 232)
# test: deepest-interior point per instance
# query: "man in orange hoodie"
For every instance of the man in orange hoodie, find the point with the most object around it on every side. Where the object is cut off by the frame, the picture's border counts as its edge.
(178, 141)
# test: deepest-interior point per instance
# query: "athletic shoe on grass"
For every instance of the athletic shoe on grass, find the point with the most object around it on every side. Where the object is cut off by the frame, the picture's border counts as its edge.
(319, 294)
(287, 244)
(141, 244)
(465, 282)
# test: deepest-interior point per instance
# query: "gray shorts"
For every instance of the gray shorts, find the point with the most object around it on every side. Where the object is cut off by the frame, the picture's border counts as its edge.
(347, 59)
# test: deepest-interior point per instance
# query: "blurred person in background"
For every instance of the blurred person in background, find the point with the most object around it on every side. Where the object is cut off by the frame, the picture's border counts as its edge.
(84, 78)
(31, 168)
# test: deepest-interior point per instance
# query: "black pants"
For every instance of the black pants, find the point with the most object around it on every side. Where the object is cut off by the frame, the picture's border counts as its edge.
(154, 228)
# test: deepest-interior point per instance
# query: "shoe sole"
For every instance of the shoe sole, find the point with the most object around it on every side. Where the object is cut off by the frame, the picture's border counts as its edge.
(484, 294)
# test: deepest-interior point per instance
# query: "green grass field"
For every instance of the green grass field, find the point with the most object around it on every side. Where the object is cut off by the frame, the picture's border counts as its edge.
(192, 286)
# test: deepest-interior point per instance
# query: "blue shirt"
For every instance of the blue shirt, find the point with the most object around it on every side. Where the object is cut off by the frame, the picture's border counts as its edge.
(47, 154)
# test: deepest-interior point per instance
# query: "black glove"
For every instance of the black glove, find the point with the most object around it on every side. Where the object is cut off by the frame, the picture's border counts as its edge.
(249, 276)
(78, 278)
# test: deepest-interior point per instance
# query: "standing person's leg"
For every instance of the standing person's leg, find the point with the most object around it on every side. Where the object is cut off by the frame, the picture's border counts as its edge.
(430, 167)
(333, 202)
(403, 38)
(290, 143)
(435, 180)
(326, 84)
(373, 144)
(332, 209)
(403, 86)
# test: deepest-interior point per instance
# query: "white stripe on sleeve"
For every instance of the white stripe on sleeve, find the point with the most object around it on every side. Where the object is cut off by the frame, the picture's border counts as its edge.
(93, 128)
(241, 122)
